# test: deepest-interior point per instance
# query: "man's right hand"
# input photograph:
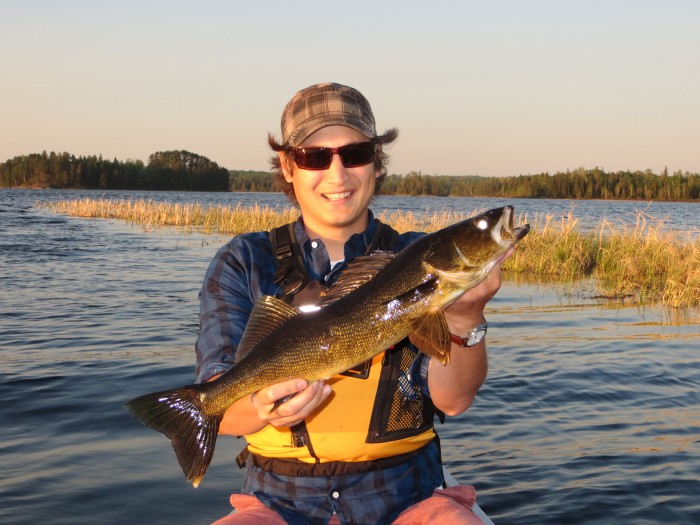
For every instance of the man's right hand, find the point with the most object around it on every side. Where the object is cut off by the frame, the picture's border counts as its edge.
(254, 412)
(306, 398)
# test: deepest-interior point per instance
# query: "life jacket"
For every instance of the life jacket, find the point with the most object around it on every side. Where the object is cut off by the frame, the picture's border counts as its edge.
(379, 416)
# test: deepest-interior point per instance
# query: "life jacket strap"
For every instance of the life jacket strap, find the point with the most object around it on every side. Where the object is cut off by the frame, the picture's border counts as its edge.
(291, 271)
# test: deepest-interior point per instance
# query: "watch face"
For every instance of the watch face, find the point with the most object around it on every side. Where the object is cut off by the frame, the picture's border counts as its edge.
(476, 336)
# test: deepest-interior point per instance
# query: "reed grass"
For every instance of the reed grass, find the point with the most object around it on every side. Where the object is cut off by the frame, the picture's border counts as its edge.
(187, 217)
(648, 260)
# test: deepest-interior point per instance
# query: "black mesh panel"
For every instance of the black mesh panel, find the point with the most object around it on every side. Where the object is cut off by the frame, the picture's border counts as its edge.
(400, 409)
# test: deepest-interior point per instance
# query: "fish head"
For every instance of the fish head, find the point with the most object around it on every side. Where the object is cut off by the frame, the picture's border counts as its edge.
(465, 252)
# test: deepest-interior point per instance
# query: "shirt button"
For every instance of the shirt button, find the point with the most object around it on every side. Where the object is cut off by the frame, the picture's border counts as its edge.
(335, 494)
(314, 244)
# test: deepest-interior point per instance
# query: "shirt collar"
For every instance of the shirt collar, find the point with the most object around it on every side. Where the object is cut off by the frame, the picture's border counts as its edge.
(316, 256)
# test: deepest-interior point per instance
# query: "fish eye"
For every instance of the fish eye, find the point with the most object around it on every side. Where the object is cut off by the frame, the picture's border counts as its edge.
(482, 224)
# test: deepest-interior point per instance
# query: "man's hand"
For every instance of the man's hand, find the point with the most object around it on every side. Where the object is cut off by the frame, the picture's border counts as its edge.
(306, 398)
(468, 311)
(252, 413)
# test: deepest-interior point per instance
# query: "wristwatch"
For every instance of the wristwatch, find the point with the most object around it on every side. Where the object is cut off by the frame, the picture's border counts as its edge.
(473, 338)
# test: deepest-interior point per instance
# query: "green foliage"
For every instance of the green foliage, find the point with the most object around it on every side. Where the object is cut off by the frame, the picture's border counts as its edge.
(242, 180)
(578, 184)
(168, 170)
(186, 171)
(415, 183)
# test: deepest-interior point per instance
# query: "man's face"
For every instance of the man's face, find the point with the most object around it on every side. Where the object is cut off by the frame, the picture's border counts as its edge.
(334, 201)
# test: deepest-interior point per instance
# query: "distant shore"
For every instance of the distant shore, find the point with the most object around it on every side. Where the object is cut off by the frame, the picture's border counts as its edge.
(181, 170)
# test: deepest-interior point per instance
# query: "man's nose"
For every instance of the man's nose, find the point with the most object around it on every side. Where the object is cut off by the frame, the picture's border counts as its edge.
(336, 172)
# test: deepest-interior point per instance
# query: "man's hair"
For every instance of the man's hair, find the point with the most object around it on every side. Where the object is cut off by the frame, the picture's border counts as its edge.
(381, 161)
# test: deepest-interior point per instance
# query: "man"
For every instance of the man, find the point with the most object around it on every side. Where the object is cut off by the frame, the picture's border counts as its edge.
(359, 447)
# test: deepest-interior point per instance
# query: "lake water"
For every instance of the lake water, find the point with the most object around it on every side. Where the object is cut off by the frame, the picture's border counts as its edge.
(590, 413)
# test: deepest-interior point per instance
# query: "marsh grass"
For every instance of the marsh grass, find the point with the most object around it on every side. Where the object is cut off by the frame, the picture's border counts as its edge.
(187, 217)
(647, 261)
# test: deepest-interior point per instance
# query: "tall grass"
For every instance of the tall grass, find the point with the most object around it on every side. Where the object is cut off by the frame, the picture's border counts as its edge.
(208, 219)
(647, 260)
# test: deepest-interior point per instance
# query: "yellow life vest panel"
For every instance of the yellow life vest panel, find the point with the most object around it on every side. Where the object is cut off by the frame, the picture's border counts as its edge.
(339, 429)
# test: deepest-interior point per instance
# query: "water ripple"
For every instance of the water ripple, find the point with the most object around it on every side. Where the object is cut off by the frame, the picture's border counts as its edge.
(590, 413)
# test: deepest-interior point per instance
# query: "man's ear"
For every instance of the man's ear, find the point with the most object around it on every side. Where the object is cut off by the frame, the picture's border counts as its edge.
(285, 164)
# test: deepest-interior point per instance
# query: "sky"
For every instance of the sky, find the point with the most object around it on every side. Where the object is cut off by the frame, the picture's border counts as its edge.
(491, 88)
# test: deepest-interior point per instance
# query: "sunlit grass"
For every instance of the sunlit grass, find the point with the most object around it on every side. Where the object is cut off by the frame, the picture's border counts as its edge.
(208, 219)
(646, 260)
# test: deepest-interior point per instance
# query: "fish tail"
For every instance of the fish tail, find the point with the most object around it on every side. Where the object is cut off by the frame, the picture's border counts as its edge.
(178, 415)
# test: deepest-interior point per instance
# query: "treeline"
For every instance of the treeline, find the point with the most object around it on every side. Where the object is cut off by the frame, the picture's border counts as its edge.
(166, 170)
(248, 180)
(185, 171)
(578, 184)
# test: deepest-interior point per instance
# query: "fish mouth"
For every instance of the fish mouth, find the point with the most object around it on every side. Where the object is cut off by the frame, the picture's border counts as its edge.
(521, 231)
(508, 232)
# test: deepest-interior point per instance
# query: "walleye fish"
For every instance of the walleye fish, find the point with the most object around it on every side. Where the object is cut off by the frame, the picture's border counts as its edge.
(379, 300)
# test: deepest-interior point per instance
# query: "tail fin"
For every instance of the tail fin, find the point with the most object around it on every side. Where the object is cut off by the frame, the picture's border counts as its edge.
(179, 416)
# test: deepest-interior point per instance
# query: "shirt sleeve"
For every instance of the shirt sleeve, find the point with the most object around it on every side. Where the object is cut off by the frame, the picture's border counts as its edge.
(419, 371)
(226, 302)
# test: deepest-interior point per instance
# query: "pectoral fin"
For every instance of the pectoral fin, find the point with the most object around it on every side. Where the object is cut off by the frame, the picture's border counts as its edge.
(432, 336)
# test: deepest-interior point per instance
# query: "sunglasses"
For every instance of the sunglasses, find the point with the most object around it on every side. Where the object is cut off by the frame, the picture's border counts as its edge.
(351, 155)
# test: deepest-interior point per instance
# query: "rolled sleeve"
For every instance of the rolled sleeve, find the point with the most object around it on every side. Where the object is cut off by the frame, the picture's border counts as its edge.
(419, 372)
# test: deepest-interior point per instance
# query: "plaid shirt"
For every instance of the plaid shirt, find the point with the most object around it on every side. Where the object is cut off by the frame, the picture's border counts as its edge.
(372, 498)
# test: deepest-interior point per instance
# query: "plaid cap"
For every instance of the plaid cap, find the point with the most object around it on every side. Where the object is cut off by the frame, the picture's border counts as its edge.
(327, 104)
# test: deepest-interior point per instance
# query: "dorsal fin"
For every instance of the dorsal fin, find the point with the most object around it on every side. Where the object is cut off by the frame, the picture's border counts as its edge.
(268, 313)
(361, 270)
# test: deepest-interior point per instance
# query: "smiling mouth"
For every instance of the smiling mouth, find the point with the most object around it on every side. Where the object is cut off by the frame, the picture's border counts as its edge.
(337, 196)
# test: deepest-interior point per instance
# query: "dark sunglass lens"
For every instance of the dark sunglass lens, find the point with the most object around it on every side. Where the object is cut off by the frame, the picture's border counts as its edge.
(354, 155)
(313, 158)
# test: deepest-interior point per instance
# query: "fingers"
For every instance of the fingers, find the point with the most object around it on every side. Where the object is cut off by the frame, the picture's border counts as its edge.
(490, 285)
(467, 311)
(308, 397)
(270, 394)
(510, 252)
(482, 293)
